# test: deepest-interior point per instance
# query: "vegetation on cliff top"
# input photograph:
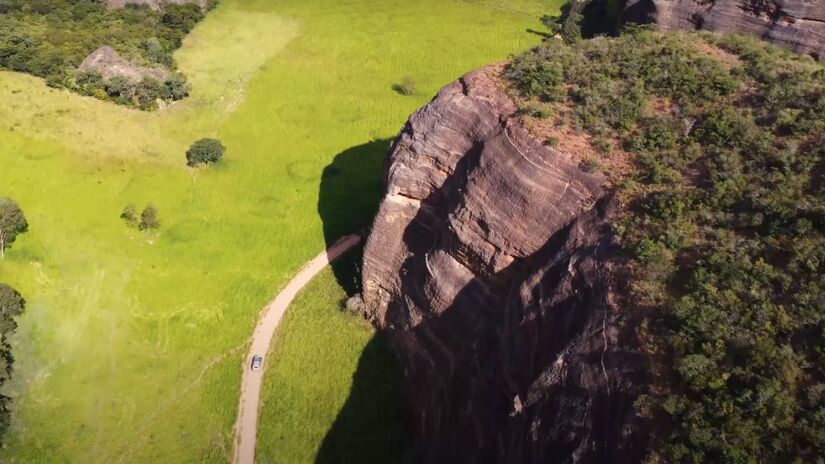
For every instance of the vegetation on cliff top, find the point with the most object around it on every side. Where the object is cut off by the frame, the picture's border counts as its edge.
(715, 145)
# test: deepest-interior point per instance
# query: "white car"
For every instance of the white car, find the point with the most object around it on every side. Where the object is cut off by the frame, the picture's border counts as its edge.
(257, 361)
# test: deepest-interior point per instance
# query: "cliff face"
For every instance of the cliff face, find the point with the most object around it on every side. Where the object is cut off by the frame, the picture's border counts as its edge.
(492, 268)
(795, 24)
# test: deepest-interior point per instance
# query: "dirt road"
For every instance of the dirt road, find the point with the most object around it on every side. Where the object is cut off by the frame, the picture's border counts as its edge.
(246, 427)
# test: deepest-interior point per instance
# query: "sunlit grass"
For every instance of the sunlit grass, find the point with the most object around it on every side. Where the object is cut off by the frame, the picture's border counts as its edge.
(325, 358)
(131, 347)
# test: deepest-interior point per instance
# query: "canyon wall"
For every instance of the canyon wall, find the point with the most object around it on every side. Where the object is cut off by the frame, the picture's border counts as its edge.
(798, 25)
(494, 272)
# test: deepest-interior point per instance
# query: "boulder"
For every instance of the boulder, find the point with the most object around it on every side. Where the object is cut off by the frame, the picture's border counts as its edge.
(106, 62)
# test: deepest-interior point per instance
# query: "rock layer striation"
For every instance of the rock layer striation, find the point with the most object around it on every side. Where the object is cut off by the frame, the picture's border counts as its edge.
(795, 24)
(492, 269)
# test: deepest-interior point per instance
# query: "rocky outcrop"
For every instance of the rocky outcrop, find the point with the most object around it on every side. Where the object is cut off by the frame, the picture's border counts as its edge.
(106, 62)
(493, 270)
(795, 24)
(153, 4)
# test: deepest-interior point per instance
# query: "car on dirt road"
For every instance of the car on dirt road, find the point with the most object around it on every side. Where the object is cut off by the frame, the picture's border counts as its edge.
(257, 361)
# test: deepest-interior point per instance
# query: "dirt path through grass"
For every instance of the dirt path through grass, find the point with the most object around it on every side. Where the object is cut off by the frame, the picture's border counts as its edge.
(246, 427)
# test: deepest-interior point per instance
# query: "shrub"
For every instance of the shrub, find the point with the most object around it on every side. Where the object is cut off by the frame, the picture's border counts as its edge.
(147, 92)
(149, 218)
(538, 112)
(118, 86)
(205, 151)
(12, 223)
(406, 87)
(552, 142)
(177, 88)
(129, 215)
(590, 165)
(12, 305)
(181, 17)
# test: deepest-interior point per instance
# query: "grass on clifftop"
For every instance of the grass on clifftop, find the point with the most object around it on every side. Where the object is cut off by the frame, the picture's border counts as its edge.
(132, 344)
(716, 147)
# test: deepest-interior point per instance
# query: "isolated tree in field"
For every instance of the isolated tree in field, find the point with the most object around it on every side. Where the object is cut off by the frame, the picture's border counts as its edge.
(205, 151)
(12, 223)
(149, 218)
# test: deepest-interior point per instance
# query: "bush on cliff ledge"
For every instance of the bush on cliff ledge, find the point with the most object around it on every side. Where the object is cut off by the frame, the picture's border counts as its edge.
(724, 227)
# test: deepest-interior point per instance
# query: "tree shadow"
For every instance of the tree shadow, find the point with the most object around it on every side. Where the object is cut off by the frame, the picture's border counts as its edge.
(370, 427)
(351, 189)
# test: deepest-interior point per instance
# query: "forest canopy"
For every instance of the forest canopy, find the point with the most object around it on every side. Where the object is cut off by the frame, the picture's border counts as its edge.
(723, 227)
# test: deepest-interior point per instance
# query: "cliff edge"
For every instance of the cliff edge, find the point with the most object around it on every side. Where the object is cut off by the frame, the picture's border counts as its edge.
(611, 250)
(491, 268)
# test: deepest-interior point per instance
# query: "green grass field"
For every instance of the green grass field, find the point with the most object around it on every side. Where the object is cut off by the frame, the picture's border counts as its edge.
(131, 347)
(332, 390)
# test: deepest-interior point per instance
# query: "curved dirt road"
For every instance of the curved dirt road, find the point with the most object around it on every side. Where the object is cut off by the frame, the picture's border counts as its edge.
(246, 427)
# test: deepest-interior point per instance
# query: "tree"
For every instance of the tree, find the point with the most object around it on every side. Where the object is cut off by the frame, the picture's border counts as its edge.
(12, 305)
(176, 87)
(129, 215)
(149, 218)
(568, 25)
(205, 151)
(182, 17)
(12, 223)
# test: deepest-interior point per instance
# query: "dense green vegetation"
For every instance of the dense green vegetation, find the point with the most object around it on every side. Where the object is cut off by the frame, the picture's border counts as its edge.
(50, 38)
(138, 358)
(149, 218)
(12, 223)
(205, 151)
(724, 228)
(12, 305)
(332, 389)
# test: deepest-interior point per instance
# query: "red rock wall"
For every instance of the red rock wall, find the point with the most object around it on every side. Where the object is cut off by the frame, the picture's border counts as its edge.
(491, 269)
(798, 25)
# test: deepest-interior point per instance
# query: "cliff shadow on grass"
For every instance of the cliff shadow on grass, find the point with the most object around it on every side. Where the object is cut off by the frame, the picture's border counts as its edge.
(351, 189)
(369, 428)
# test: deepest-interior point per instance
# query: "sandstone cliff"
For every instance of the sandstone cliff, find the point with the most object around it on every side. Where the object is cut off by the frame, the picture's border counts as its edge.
(492, 269)
(795, 24)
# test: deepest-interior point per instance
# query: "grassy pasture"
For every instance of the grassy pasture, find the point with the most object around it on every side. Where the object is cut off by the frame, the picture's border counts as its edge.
(131, 346)
(332, 390)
